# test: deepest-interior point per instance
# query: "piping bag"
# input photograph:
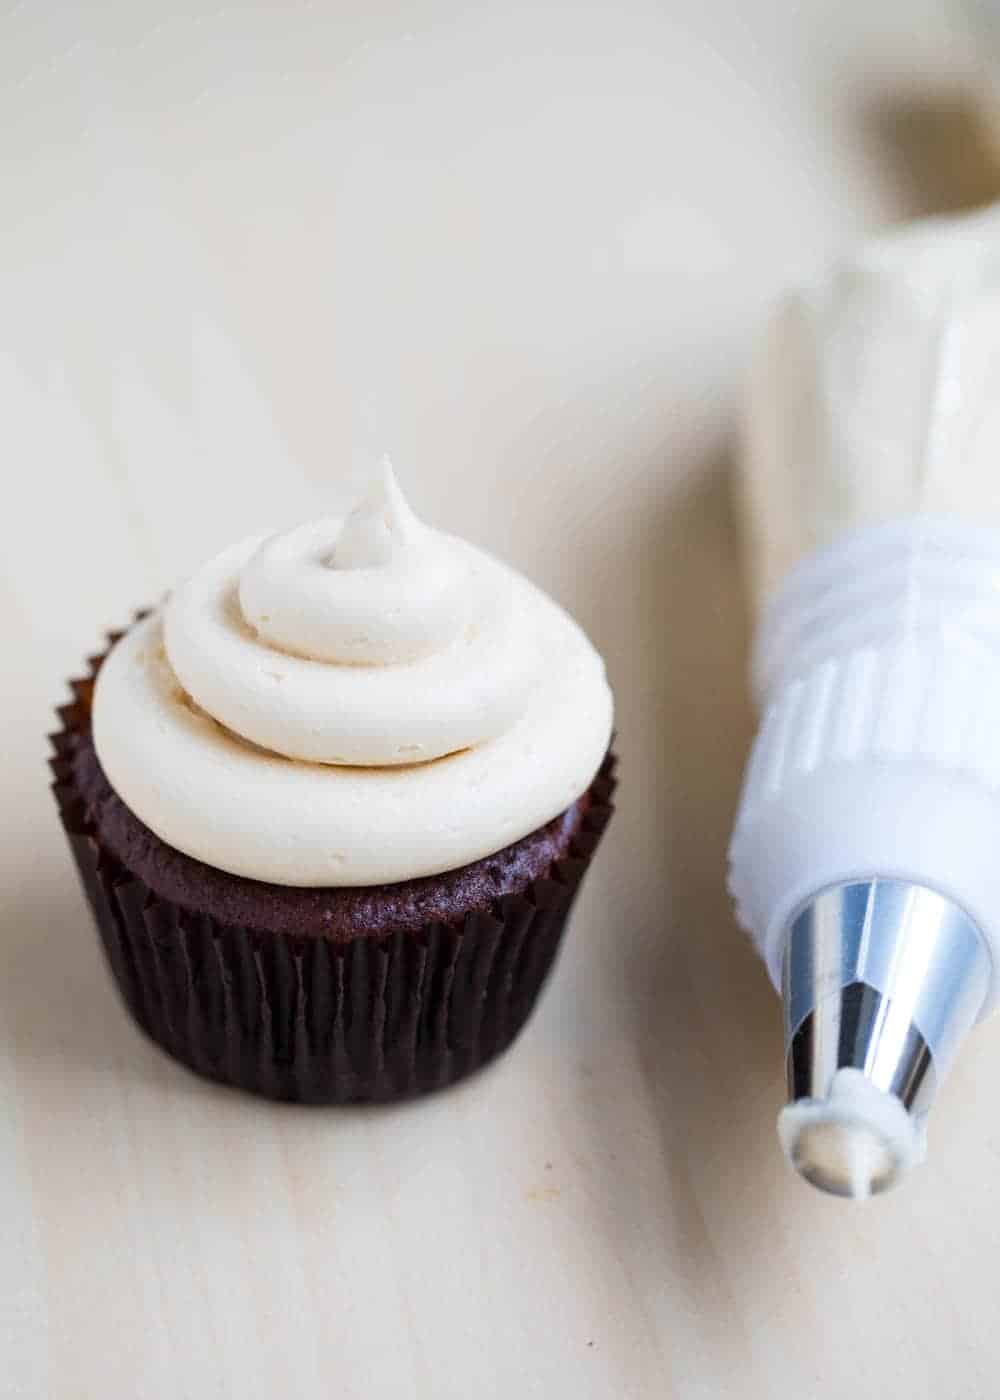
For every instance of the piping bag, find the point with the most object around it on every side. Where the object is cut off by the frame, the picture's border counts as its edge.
(865, 860)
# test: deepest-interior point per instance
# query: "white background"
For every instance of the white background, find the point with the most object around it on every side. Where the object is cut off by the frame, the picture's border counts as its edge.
(535, 240)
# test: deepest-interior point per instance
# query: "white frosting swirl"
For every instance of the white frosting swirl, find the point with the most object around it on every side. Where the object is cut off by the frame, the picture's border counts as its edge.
(376, 589)
(367, 641)
(435, 706)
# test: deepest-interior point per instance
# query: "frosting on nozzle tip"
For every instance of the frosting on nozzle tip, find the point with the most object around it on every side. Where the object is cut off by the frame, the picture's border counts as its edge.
(857, 1142)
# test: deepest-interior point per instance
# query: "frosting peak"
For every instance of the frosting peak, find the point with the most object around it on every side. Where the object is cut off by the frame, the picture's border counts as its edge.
(373, 701)
(374, 590)
(380, 528)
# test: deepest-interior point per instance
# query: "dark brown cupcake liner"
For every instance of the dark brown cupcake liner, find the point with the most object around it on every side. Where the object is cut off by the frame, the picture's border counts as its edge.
(310, 1019)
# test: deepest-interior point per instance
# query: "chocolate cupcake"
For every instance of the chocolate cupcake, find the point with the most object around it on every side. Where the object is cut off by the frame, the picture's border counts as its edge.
(331, 804)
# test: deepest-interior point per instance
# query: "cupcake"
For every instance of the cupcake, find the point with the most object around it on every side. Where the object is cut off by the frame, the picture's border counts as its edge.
(331, 804)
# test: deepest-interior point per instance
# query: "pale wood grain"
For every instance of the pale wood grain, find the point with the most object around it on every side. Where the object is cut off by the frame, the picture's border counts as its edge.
(542, 237)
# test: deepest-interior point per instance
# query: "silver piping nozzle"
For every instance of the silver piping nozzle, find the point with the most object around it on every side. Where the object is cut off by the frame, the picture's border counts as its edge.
(882, 981)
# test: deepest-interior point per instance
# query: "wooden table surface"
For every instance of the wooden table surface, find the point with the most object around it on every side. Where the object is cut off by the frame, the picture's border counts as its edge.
(539, 239)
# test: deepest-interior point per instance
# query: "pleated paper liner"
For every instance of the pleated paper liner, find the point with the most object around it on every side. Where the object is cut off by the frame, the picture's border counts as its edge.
(310, 1019)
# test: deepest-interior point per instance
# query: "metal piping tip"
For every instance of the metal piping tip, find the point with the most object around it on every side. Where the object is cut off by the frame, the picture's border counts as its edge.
(882, 980)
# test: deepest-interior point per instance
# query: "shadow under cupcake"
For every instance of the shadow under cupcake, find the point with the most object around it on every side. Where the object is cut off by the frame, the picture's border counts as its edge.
(332, 803)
